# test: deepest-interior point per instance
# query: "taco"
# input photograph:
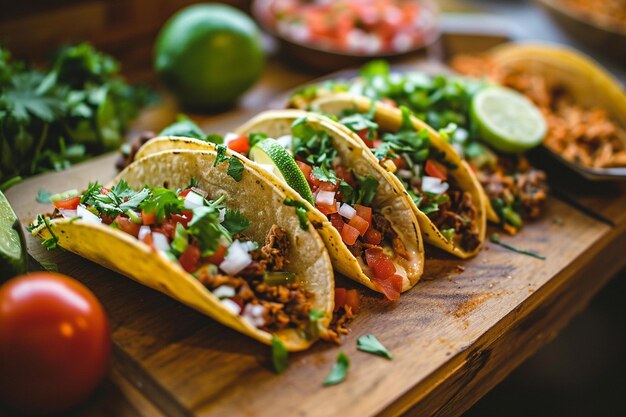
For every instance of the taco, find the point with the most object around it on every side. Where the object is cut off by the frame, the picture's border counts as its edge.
(366, 220)
(211, 233)
(445, 194)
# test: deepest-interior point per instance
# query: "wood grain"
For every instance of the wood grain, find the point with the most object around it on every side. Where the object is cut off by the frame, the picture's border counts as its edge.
(453, 336)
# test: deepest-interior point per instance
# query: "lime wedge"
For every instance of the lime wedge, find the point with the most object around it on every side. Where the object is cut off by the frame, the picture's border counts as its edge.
(12, 245)
(270, 152)
(507, 120)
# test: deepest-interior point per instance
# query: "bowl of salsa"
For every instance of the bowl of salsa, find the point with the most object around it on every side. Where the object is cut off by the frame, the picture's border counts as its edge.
(333, 34)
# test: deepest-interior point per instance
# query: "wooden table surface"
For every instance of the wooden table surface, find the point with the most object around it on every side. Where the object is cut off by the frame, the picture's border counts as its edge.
(453, 337)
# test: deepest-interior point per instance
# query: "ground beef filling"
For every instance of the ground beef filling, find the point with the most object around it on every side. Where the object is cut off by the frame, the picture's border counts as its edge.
(285, 306)
(458, 213)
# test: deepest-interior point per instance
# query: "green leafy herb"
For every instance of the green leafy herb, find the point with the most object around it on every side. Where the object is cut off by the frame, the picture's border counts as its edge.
(163, 202)
(180, 241)
(370, 344)
(280, 355)
(301, 211)
(43, 221)
(50, 120)
(324, 174)
(206, 228)
(235, 222)
(339, 371)
(254, 138)
(347, 192)
(235, 168)
(43, 196)
(221, 155)
(495, 238)
(184, 127)
(367, 190)
(314, 146)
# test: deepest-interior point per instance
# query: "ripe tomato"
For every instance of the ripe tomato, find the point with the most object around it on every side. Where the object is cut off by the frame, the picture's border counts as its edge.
(55, 343)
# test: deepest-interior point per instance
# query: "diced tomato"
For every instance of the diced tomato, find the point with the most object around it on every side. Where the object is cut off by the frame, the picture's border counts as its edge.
(167, 228)
(337, 221)
(349, 234)
(127, 225)
(180, 218)
(68, 203)
(219, 255)
(241, 145)
(345, 174)
(328, 186)
(359, 224)
(313, 181)
(373, 236)
(147, 239)
(106, 219)
(148, 218)
(190, 257)
(325, 201)
(352, 300)
(305, 168)
(327, 208)
(184, 193)
(399, 162)
(384, 272)
(436, 169)
(364, 212)
(363, 133)
(340, 298)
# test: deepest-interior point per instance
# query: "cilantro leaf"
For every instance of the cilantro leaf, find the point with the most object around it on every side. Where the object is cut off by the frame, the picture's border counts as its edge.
(301, 211)
(347, 192)
(221, 155)
(235, 168)
(206, 228)
(339, 371)
(235, 222)
(370, 344)
(280, 355)
(254, 138)
(163, 202)
(324, 174)
(184, 127)
(367, 190)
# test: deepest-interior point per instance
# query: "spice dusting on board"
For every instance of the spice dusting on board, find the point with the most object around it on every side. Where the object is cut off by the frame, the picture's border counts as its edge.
(583, 135)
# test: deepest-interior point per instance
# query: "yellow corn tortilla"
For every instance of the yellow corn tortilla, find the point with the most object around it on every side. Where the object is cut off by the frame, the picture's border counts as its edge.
(255, 196)
(392, 202)
(390, 119)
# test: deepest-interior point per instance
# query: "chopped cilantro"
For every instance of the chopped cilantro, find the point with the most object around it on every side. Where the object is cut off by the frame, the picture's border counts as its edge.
(184, 127)
(280, 355)
(324, 174)
(206, 228)
(221, 155)
(367, 190)
(370, 344)
(235, 222)
(254, 138)
(163, 202)
(235, 168)
(347, 192)
(339, 371)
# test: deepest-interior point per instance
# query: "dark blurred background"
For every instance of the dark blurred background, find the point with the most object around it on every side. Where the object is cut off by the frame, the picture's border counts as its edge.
(581, 373)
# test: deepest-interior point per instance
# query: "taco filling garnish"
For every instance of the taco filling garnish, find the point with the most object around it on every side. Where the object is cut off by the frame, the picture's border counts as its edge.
(207, 240)
(424, 172)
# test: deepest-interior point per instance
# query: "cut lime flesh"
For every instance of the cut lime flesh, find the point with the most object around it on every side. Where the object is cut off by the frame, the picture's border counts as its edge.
(270, 152)
(507, 120)
(12, 246)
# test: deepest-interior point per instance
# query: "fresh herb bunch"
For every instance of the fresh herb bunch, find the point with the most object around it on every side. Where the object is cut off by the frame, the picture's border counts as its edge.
(52, 119)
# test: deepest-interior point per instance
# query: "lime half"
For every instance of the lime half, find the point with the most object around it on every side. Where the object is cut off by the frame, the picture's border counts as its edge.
(12, 245)
(270, 152)
(507, 120)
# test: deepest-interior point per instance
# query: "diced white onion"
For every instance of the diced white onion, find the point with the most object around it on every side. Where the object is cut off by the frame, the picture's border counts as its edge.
(434, 185)
(67, 213)
(143, 232)
(86, 215)
(253, 314)
(405, 173)
(222, 215)
(229, 137)
(193, 200)
(347, 211)
(416, 169)
(159, 240)
(326, 198)
(236, 259)
(231, 305)
(249, 245)
(286, 142)
(268, 167)
(224, 291)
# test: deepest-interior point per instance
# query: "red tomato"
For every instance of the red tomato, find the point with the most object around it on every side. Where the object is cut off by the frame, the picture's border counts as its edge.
(340, 298)
(364, 212)
(359, 224)
(305, 168)
(184, 193)
(148, 218)
(373, 236)
(352, 300)
(241, 145)
(380, 264)
(55, 345)
(68, 203)
(337, 221)
(363, 135)
(183, 219)
(391, 287)
(127, 225)
(219, 255)
(346, 175)
(328, 186)
(399, 162)
(189, 259)
(349, 234)
(435, 169)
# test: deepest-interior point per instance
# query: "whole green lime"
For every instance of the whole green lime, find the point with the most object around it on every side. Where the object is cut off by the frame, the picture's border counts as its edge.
(208, 55)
